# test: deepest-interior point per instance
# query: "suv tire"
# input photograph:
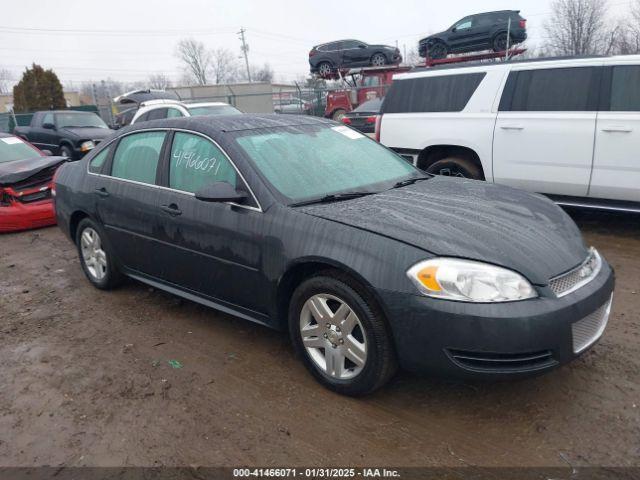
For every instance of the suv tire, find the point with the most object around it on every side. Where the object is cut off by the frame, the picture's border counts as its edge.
(438, 50)
(499, 43)
(456, 167)
(65, 151)
(325, 69)
(378, 60)
(364, 329)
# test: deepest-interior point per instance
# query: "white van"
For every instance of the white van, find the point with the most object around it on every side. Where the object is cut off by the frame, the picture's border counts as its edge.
(568, 128)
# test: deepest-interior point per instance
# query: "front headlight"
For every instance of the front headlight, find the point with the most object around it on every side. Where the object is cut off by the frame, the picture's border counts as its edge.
(86, 146)
(469, 281)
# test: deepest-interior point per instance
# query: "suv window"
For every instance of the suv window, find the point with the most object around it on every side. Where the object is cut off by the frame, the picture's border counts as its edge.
(446, 93)
(157, 114)
(47, 118)
(551, 90)
(196, 162)
(137, 157)
(351, 44)
(143, 118)
(174, 112)
(464, 24)
(95, 166)
(625, 89)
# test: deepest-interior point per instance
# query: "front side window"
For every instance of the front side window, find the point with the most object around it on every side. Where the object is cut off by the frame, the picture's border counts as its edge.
(446, 93)
(625, 88)
(551, 90)
(464, 24)
(79, 119)
(96, 163)
(48, 118)
(310, 161)
(157, 114)
(174, 113)
(196, 162)
(137, 157)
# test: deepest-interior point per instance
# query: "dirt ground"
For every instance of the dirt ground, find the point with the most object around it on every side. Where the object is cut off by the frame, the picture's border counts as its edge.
(87, 378)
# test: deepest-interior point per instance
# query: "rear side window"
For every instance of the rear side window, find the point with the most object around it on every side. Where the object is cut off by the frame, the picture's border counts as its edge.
(551, 90)
(137, 157)
(625, 88)
(157, 114)
(447, 93)
(196, 162)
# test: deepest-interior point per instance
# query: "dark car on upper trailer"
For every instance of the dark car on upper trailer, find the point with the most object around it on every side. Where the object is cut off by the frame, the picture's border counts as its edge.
(309, 226)
(483, 31)
(325, 59)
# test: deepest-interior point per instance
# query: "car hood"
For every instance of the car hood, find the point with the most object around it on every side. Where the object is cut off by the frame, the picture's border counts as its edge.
(19, 170)
(469, 219)
(88, 132)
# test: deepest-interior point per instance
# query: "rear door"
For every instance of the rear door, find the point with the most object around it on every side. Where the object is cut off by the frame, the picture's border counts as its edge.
(544, 132)
(466, 33)
(126, 198)
(616, 163)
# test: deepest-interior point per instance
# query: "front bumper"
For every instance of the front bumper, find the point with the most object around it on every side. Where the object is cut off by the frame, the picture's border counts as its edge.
(24, 216)
(495, 341)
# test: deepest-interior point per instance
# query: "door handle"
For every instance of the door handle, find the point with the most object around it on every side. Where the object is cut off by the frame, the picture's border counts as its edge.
(102, 192)
(617, 128)
(172, 209)
(512, 127)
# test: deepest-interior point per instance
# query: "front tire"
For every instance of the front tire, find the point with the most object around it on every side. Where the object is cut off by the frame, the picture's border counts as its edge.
(96, 257)
(65, 151)
(341, 335)
(456, 167)
(325, 69)
(437, 51)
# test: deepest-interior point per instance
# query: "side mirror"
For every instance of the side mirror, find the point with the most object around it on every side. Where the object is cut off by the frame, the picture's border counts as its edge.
(48, 153)
(49, 126)
(453, 30)
(220, 192)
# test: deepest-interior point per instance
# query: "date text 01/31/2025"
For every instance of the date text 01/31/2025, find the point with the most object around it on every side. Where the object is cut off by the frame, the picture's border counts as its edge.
(315, 473)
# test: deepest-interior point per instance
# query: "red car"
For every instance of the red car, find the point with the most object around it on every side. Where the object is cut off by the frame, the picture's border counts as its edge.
(26, 180)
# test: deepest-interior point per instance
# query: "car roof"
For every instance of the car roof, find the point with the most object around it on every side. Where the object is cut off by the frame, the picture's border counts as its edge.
(206, 104)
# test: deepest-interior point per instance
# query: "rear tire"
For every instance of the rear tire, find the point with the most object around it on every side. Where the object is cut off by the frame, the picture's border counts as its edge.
(96, 257)
(499, 43)
(378, 60)
(456, 167)
(353, 360)
(65, 151)
(325, 69)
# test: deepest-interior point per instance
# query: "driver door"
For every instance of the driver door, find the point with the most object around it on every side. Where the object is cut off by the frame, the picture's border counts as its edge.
(465, 33)
(211, 249)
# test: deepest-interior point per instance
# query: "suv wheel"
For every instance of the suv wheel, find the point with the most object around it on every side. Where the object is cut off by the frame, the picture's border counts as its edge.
(456, 167)
(65, 151)
(378, 60)
(437, 50)
(324, 69)
(95, 256)
(500, 42)
(342, 338)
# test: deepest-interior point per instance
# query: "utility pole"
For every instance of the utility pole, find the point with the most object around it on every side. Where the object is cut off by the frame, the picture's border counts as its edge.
(245, 50)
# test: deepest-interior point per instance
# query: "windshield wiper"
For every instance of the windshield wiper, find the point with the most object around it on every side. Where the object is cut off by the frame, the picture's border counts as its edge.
(334, 197)
(409, 181)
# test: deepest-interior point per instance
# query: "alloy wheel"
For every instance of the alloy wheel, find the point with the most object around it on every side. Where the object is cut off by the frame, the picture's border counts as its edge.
(94, 257)
(324, 69)
(333, 336)
(378, 60)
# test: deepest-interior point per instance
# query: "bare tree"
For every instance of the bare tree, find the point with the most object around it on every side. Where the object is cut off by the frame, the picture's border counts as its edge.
(159, 81)
(224, 65)
(196, 58)
(262, 74)
(579, 27)
(6, 80)
(629, 41)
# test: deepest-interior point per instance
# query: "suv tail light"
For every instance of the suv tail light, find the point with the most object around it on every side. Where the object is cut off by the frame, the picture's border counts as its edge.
(378, 127)
(312, 53)
(523, 23)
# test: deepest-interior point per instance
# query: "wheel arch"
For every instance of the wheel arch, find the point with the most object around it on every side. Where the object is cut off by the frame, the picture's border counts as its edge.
(74, 220)
(305, 268)
(433, 153)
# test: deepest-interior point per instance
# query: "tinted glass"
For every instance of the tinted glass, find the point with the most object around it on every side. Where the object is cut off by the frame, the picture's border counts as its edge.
(79, 119)
(351, 44)
(143, 118)
(48, 118)
(137, 157)
(485, 20)
(196, 162)
(157, 114)
(447, 93)
(625, 89)
(311, 161)
(12, 148)
(464, 24)
(173, 113)
(551, 90)
(97, 162)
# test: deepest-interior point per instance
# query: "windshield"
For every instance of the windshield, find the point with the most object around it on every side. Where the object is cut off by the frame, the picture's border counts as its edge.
(312, 161)
(12, 148)
(214, 110)
(79, 119)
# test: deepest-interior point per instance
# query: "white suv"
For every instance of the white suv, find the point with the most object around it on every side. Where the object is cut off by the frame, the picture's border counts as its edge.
(568, 128)
(163, 108)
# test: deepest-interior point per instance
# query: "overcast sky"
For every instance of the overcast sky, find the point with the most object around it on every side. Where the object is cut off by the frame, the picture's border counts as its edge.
(130, 39)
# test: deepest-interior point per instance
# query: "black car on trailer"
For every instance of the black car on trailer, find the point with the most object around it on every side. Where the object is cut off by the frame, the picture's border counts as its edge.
(306, 225)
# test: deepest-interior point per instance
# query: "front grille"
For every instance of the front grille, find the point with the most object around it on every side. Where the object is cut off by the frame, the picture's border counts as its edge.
(502, 362)
(579, 276)
(35, 196)
(586, 331)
